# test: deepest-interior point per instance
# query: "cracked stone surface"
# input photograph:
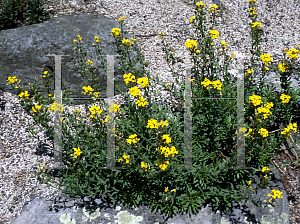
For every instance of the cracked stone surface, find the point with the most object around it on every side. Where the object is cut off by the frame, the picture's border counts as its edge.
(69, 210)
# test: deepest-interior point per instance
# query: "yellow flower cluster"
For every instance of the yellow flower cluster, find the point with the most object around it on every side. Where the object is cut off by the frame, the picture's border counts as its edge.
(212, 8)
(77, 152)
(217, 84)
(90, 63)
(191, 44)
(87, 89)
(214, 34)
(293, 53)
(161, 34)
(132, 139)
(122, 18)
(168, 193)
(95, 110)
(262, 170)
(153, 124)
(134, 91)
(80, 38)
(277, 194)
(285, 98)
(164, 150)
(12, 79)
(97, 39)
(199, 4)
(24, 94)
(115, 32)
(224, 44)
(265, 110)
(56, 107)
(256, 100)
(283, 66)
(266, 58)
(252, 11)
(116, 108)
(36, 107)
(287, 132)
(256, 24)
(145, 165)
(42, 166)
(127, 42)
(128, 77)
(168, 151)
(125, 157)
(192, 19)
(265, 169)
(45, 74)
(249, 72)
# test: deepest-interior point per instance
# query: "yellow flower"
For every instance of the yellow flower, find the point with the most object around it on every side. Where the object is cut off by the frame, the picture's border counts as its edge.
(191, 44)
(87, 89)
(145, 165)
(162, 164)
(264, 169)
(285, 98)
(161, 35)
(293, 53)
(12, 79)
(129, 77)
(192, 18)
(36, 107)
(168, 139)
(144, 82)
(132, 139)
(134, 91)
(252, 11)
(200, 4)
(77, 152)
(255, 24)
(283, 66)
(141, 102)
(266, 58)
(115, 32)
(212, 8)
(122, 18)
(214, 34)
(24, 94)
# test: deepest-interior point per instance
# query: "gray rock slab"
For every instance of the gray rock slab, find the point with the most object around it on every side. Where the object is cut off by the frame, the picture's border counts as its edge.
(23, 52)
(69, 210)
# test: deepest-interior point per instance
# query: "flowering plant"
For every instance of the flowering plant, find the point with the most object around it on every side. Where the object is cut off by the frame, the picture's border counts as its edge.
(150, 142)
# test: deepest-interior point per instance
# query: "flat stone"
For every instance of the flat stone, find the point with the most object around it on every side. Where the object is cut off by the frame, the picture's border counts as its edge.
(23, 53)
(67, 210)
